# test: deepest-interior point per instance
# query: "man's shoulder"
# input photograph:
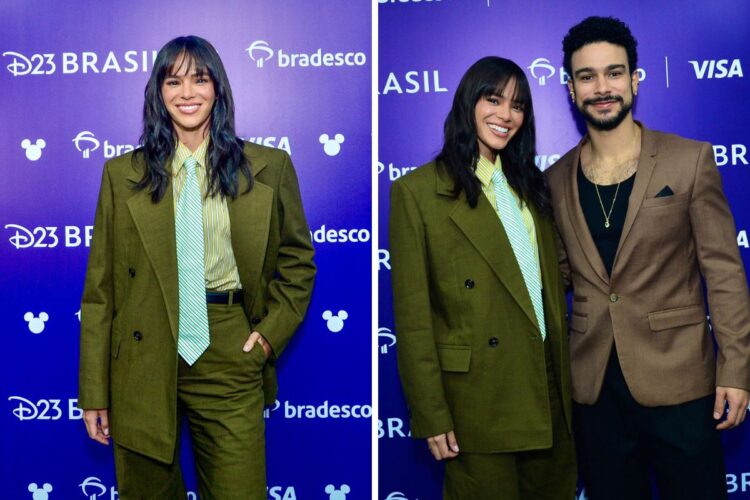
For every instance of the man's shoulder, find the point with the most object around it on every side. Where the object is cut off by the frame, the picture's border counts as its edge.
(669, 142)
(561, 166)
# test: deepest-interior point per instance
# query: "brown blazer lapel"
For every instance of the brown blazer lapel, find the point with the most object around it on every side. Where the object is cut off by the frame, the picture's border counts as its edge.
(485, 232)
(577, 219)
(250, 218)
(155, 225)
(646, 164)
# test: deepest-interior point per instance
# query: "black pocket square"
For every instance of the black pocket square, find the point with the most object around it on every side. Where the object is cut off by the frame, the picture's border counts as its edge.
(666, 191)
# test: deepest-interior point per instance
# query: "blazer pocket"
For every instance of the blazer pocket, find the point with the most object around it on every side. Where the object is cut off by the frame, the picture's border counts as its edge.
(454, 358)
(665, 201)
(579, 323)
(679, 316)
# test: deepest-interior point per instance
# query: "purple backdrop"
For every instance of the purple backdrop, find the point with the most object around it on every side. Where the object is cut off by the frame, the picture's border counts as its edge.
(71, 90)
(694, 57)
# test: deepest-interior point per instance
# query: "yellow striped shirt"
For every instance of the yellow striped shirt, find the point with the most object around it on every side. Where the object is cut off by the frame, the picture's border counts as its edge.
(220, 267)
(484, 172)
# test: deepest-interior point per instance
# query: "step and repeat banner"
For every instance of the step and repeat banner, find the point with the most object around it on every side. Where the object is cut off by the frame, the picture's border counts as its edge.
(694, 62)
(72, 76)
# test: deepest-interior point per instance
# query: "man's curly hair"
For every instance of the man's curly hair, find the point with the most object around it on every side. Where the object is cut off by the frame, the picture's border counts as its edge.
(600, 29)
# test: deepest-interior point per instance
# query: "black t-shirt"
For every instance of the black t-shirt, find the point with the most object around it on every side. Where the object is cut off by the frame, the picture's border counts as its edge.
(606, 238)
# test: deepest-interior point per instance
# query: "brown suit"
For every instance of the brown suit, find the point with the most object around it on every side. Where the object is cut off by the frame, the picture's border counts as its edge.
(653, 305)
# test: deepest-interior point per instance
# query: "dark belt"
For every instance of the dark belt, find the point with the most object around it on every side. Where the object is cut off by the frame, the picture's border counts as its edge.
(231, 297)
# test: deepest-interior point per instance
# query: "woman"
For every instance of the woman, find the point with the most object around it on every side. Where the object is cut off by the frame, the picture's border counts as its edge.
(200, 271)
(479, 302)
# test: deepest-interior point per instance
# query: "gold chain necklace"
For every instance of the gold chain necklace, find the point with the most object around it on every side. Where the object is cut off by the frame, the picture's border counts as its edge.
(606, 214)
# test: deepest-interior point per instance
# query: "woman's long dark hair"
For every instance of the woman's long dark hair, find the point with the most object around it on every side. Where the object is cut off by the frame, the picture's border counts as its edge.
(224, 157)
(460, 151)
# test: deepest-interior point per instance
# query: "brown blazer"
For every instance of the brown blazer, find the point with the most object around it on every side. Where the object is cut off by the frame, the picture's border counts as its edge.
(129, 310)
(653, 304)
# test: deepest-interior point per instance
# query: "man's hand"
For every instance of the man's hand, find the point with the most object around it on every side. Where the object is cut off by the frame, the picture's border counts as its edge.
(443, 446)
(257, 337)
(737, 399)
(97, 425)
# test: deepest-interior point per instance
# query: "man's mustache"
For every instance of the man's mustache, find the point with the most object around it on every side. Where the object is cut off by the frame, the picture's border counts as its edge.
(597, 100)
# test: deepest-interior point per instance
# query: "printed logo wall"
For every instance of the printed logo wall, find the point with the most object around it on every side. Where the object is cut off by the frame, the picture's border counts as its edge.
(694, 82)
(73, 99)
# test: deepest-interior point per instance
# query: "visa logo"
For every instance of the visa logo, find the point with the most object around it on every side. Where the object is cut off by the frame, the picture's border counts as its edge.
(717, 68)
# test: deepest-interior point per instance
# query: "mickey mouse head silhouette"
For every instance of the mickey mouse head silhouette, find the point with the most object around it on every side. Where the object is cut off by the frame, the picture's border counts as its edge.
(33, 151)
(40, 493)
(332, 147)
(36, 323)
(335, 323)
(340, 494)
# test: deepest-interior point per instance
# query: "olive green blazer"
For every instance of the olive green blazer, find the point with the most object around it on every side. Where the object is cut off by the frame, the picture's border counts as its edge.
(129, 310)
(470, 353)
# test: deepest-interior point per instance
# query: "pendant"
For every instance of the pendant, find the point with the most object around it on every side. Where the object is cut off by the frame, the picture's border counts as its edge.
(606, 224)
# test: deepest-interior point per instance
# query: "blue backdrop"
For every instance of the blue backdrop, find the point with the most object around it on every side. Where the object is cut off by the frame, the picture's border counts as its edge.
(694, 58)
(72, 76)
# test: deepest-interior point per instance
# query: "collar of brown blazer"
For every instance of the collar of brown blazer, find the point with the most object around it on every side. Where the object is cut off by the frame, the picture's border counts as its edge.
(494, 245)
(646, 164)
(249, 216)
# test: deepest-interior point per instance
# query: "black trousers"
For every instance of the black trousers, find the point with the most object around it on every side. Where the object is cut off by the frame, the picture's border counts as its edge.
(620, 443)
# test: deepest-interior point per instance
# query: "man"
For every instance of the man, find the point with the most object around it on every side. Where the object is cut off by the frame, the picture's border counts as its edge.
(644, 224)
(200, 271)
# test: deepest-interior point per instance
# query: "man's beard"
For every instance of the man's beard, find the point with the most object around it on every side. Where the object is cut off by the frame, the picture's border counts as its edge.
(605, 124)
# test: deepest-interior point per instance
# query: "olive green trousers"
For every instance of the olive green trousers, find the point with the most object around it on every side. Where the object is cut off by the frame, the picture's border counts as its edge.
(222, 397)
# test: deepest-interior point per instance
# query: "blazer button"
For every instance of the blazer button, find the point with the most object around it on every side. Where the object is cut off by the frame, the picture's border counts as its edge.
(131, 272)
(255, 320)
(493, 342)
(613, 297)
(137, 336)
(469, 283)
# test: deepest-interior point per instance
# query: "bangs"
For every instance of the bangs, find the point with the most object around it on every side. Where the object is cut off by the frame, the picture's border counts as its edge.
(187, 62)
(521, 91)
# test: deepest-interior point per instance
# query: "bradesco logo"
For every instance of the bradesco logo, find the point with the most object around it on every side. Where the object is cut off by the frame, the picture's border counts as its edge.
(262, 54)
(86, 143)
(68, 63)
(326, 410)
(331, 235)
(94, 488)
(543, 71)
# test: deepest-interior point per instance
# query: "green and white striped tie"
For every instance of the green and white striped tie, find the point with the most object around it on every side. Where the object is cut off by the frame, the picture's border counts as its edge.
(193, 337)
(510, 215)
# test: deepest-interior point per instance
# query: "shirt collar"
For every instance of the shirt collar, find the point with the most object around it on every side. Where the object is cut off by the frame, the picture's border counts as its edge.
(182, 153)
(485, 169)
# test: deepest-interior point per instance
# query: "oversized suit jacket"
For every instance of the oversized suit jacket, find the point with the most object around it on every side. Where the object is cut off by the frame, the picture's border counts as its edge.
(470, 353)
(652, 306)
(129, 312)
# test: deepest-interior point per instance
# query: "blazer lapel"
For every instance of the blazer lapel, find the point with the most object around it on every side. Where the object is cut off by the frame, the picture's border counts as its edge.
(485, 232)
(577, 219)
(250, 218)
(155, 225)
(646, 164)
